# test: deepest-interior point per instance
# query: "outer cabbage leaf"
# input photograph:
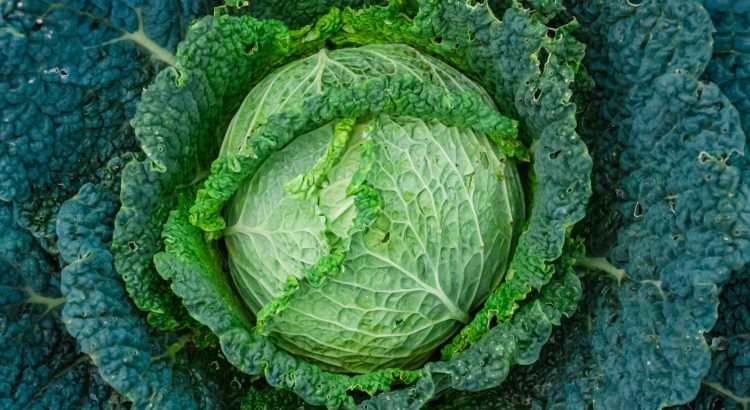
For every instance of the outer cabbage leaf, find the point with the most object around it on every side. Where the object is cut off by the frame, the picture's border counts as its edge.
(670, 182)
(619, 37)
(652, 321)
(181, 117)
(70, 78)
(700, 200)
(730, 64)
(726, 385)
(148, 368)
(41, 366)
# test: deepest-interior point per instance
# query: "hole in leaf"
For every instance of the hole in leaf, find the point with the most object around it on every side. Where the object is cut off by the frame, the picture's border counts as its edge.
(638, 210)
(543, 57)
(554, 154)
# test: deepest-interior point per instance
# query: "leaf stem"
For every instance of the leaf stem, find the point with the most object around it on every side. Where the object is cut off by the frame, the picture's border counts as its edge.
(601, 263)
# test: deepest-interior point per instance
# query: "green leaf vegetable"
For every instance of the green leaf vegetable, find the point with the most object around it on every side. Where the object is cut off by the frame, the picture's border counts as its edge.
(394, 202)
(374, 204)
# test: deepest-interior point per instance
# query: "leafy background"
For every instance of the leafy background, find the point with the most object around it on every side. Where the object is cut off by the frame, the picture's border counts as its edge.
(71, 76)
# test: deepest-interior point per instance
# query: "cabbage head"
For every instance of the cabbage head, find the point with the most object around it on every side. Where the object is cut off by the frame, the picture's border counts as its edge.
(367, 242)
(365, 205)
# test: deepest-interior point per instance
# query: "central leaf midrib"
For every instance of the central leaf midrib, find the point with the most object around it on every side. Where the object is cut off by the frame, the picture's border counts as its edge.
(455, 312)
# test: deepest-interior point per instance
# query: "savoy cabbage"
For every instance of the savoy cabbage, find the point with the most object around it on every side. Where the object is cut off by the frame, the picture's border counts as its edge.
(374, 204)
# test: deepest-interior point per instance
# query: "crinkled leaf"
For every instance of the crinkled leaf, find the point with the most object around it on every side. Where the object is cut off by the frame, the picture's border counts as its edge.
(41, 365)
(148, 368)
(172, 123)
(670, 182)
(72, 72)
(730, 64)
